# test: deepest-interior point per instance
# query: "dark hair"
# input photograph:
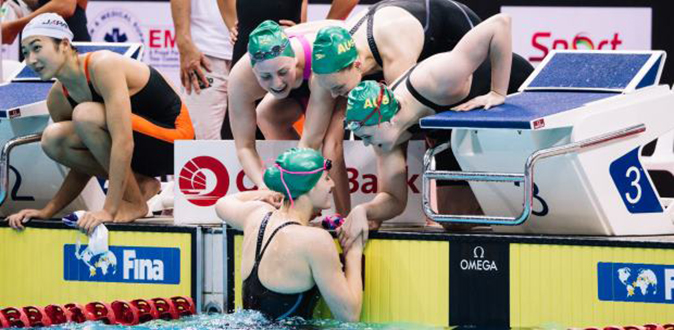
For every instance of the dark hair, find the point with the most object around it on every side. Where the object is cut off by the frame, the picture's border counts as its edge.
(58, 41)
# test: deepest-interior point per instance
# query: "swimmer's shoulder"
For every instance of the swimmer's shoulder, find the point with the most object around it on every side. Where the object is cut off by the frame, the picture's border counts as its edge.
(317, 241)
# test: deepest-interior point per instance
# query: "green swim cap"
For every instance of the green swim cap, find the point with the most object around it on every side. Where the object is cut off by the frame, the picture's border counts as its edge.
(364, 101)
(334, 49)
(296, 172)
(268, 41)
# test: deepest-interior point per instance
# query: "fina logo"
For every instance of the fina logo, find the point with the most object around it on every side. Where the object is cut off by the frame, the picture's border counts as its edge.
(478, 262)
(645, 281)
(147, 265)
(203, 180)
(635, 282)
(150, 269)
(116, 25)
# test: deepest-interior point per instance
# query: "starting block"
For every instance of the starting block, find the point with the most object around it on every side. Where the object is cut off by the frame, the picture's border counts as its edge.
(32, 178)
(563, 154)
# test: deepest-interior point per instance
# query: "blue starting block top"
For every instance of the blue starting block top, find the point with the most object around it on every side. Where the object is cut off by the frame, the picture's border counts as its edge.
(519, 111)
(566, 80)
(16, 95)
(597, 71)
(129, 50)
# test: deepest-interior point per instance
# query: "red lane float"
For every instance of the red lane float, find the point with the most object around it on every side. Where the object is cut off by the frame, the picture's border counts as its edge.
(36, 316)
(15, 317)
(146, 310)
(124, 312)
(165, 308)
(76, 312)
(118, 312)
(98, 311)
(183, 305)
(57, 314)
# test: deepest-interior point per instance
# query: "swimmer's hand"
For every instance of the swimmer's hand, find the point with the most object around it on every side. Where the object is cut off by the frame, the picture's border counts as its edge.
(90, 220)
(487, 101)
(354, 226)
(191, 63)
(17, 220)
(273, 198)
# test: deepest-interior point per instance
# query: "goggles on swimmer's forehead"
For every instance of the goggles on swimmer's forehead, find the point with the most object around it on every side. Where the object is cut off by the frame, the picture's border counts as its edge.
(275, 51)
(327, 165)
(353, 125)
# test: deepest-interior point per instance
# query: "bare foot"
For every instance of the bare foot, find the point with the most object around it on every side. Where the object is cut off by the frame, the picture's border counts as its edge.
(129, 212)
(148, 186)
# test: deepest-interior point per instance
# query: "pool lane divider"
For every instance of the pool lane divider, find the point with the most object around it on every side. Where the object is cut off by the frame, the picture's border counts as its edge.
(119, 312)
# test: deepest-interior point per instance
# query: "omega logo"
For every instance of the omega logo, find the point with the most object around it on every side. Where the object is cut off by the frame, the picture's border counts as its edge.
(478, 262)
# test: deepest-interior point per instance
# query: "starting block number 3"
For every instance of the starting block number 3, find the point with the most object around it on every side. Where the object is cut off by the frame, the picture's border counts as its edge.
(631, 181)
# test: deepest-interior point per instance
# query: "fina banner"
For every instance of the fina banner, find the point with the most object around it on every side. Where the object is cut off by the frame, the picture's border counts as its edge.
(207, 170)
(56, 266)
(538, 30)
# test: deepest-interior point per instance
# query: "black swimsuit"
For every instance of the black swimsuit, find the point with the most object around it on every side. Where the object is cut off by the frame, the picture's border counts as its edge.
(158, 118)
(480, 85)
(445, 22)
(273, 304)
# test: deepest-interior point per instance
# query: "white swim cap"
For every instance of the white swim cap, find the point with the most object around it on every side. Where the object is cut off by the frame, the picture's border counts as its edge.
(48, 25)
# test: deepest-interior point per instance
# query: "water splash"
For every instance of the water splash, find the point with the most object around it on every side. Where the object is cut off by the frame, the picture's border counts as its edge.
(242, 319)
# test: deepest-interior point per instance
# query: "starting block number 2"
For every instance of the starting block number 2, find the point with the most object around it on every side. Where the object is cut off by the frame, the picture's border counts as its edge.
(631, 181)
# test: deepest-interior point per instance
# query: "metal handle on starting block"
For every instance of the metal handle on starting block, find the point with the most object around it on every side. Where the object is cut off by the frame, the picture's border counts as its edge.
(4, 160)
(527, 177)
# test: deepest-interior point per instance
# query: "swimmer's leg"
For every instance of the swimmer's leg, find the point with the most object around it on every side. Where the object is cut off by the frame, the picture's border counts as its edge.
(333, 149)
(91, 127)
(276, 118)
(62, 144)
(149, 186)
(457, 199)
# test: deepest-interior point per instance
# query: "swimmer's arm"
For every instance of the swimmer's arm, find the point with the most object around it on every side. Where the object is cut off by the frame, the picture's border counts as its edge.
(391, 198)
(490, 39)
(319, 112)
(342, 291)
(397, 56)
(57, 104)
(72, 186)
(115, 92)
(340, 9)
(243, 92)
(235, 209)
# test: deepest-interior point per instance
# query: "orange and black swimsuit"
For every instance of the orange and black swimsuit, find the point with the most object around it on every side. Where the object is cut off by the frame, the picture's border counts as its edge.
(158, 118)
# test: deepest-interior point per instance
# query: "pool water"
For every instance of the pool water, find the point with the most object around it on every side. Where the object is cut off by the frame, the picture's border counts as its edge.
(242, 320)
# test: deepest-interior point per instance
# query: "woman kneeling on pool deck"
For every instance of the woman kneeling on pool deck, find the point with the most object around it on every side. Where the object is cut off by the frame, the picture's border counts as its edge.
(114, 117)
(285, 263)
(386, 117)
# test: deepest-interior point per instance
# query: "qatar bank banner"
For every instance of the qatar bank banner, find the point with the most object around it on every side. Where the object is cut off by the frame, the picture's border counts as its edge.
(538, 30)
(207, 170)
